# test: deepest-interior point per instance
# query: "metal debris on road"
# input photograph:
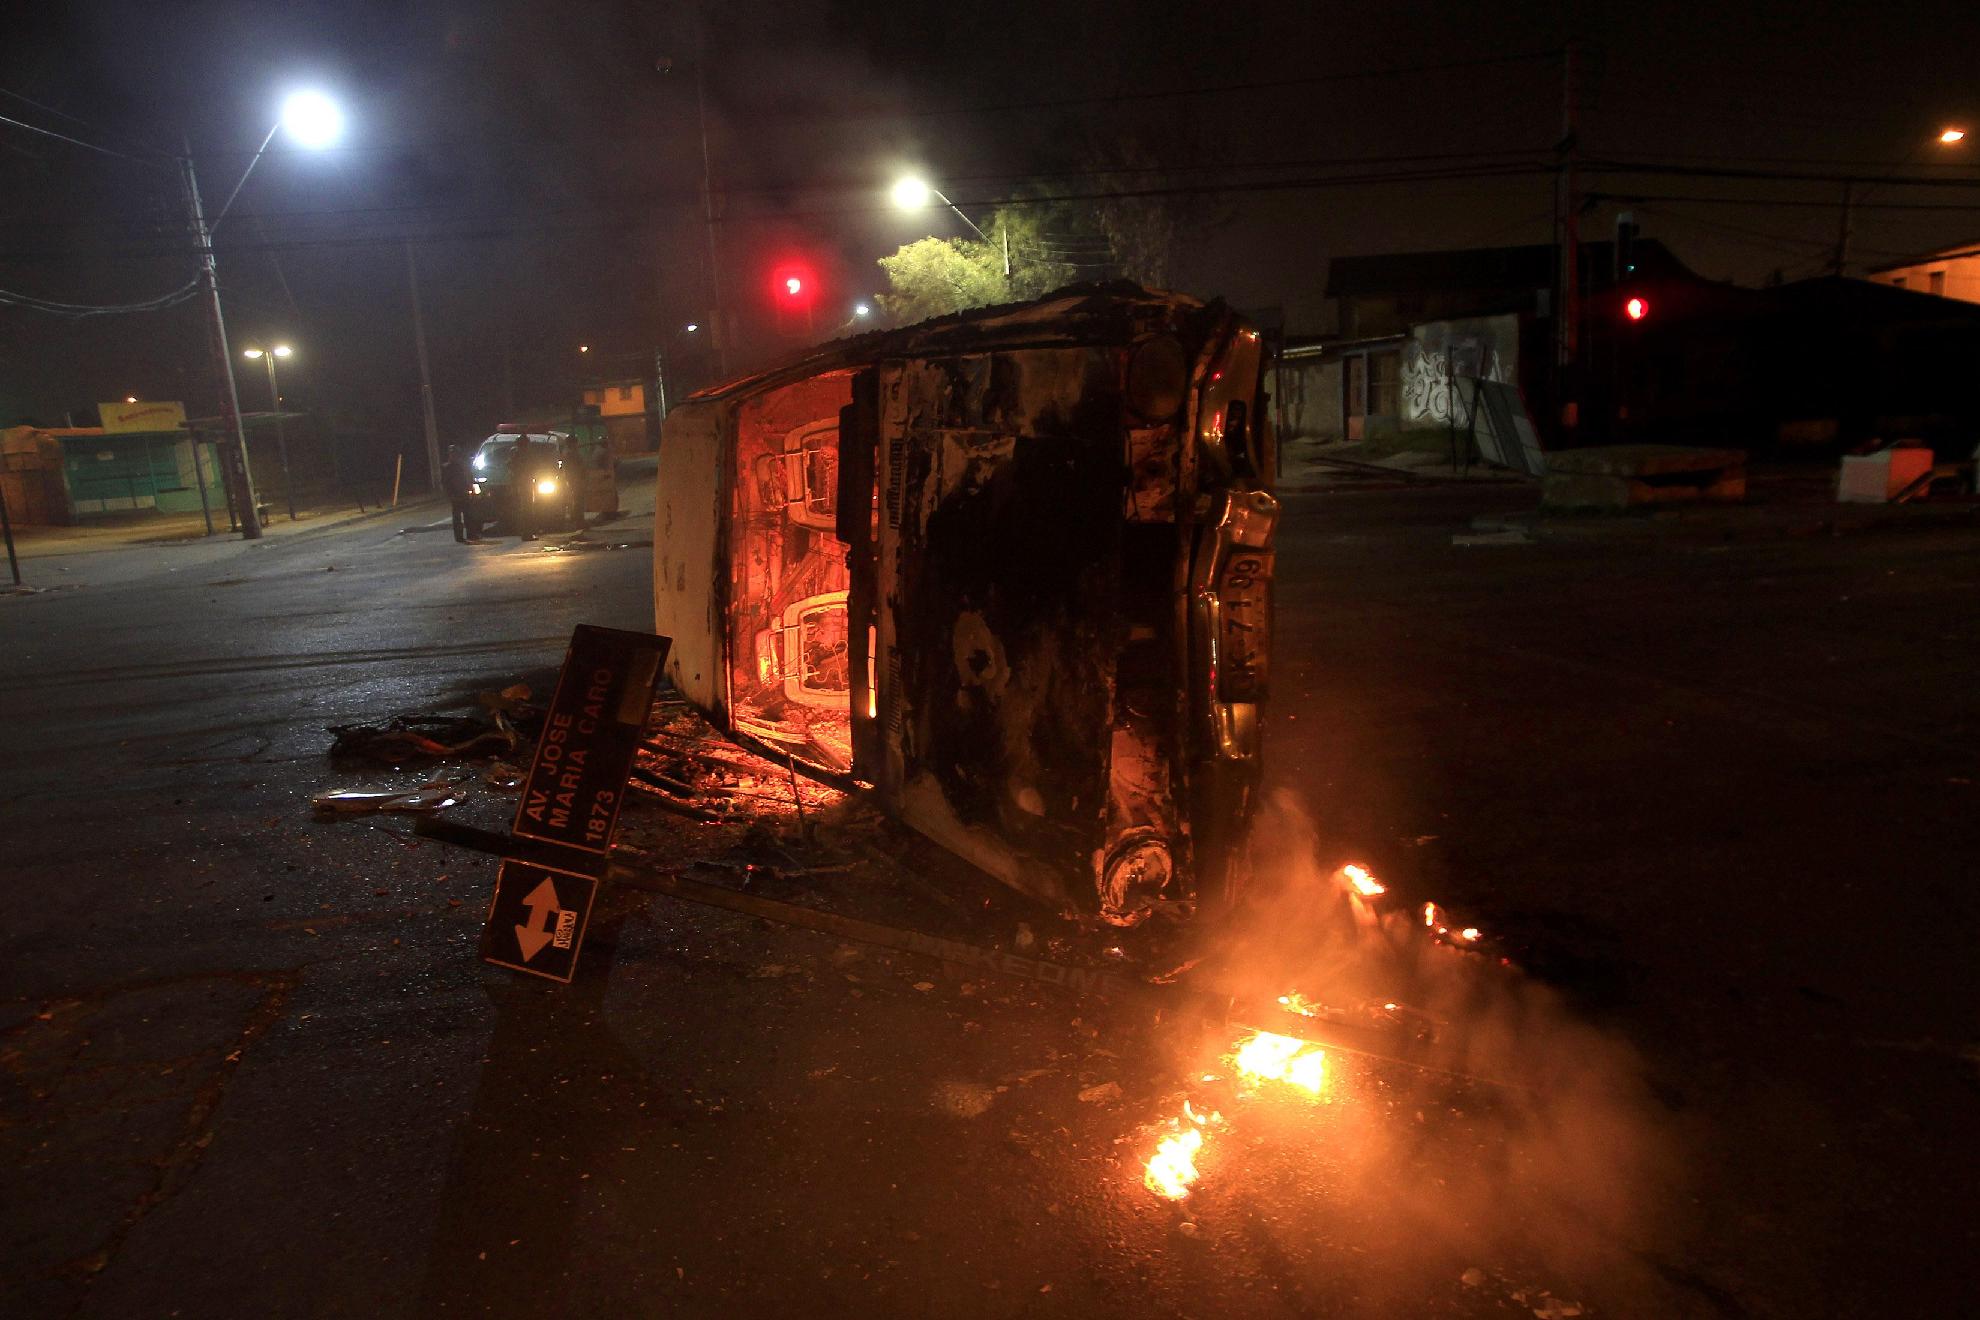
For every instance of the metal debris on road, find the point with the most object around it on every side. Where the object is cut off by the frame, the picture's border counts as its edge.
(435, 796)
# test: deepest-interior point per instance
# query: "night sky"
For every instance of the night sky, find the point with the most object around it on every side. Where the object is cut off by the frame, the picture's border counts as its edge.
(550, 175)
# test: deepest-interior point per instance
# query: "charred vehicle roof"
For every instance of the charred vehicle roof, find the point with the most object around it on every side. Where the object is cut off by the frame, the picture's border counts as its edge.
(1010, 569)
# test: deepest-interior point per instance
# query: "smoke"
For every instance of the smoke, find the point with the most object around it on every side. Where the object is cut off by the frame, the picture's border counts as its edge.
(1554, 1175)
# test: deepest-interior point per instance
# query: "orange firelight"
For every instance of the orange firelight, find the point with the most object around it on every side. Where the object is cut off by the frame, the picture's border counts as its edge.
(1364, 884)
(1268, 1056)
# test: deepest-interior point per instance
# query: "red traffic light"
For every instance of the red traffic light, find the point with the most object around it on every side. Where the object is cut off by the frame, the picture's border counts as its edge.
(1636, 308)
(792, 283)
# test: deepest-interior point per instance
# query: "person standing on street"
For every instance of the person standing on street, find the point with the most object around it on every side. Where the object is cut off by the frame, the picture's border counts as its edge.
(458, 481)
(531, 465)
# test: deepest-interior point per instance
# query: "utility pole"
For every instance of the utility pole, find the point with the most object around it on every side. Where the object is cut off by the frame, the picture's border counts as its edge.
(718, 320)
(1567, 317)
(281, 436)
(7, 526)
(234, 461)
(425, 375)
(1841, 263)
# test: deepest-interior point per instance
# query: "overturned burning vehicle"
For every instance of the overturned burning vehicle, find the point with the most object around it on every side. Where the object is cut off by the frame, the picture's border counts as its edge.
(1009, 570)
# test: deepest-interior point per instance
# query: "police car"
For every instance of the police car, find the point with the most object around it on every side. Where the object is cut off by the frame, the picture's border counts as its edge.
(553, 496)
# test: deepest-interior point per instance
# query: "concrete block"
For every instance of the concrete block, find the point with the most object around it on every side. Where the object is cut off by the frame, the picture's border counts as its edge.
(1877, 478)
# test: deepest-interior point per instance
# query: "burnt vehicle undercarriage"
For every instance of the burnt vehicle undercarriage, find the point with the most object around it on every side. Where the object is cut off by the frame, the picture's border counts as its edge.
(1009, 570)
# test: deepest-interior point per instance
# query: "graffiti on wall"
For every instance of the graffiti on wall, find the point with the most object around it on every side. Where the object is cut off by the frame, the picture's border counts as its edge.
(1438, 357)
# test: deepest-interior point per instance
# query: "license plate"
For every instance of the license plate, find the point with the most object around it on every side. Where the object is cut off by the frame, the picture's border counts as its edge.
(1245, 646)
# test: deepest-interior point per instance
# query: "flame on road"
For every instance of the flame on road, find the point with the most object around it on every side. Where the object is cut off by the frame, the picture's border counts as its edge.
(1172, 1168)
(1268, 1056)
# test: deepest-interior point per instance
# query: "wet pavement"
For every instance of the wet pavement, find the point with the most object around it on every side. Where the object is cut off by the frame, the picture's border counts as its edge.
(1718, 796)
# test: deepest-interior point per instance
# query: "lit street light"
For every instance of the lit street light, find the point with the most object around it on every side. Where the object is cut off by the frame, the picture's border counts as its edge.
(314, 121)
(912, 193)
(267, 358)
(1948, 136)
(660, 368)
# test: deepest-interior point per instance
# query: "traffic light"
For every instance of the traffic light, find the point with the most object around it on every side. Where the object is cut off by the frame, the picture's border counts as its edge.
(794, 291)
(1636, 307)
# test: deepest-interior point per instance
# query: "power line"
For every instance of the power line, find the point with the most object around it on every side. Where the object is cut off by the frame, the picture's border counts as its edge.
(79, 310)
(1600, 165)
(639, 217)
(1635, 198)
(862, 184)
(80, 123)
(64, 137)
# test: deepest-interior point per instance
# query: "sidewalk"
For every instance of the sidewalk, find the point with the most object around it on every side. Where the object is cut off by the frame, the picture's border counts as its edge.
(123, 531)
(1308, 466)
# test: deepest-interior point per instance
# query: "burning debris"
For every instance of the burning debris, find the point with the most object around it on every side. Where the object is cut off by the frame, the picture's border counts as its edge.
(1172, 1168)
(1362, 882)
(1266, 1056)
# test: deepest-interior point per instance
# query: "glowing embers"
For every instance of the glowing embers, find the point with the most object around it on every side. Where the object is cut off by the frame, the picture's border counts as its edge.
(1172, 1168)
(1266, 1056)
(1437, 922)
(1300, 1004)
(1362, 882)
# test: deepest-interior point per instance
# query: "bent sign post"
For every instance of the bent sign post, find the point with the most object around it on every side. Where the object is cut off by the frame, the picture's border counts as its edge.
(571, 799)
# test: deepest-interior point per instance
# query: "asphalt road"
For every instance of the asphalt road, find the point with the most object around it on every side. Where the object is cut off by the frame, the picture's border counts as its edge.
(1717, 794)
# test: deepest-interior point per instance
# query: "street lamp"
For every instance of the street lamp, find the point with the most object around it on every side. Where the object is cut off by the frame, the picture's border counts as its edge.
(267, 357)
(660, 408)
(314, 121)
(1948, 136)
(911, 193)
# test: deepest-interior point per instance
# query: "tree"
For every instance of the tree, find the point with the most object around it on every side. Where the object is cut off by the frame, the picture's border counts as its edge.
(939, 276)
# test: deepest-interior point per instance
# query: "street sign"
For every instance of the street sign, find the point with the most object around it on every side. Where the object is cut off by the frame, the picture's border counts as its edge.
(577, 782)
(537, 918)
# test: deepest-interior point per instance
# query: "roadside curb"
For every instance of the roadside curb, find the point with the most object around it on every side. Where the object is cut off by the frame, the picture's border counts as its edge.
(374, 515)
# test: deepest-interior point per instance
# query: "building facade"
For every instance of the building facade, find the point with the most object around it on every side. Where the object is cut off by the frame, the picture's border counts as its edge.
(1952, 272)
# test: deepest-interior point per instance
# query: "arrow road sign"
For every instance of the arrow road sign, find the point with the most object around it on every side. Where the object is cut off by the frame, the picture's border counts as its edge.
(537, 918)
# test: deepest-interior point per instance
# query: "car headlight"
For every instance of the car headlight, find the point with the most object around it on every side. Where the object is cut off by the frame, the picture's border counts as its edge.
(547, 486)
(481, 462)
(475, 489)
